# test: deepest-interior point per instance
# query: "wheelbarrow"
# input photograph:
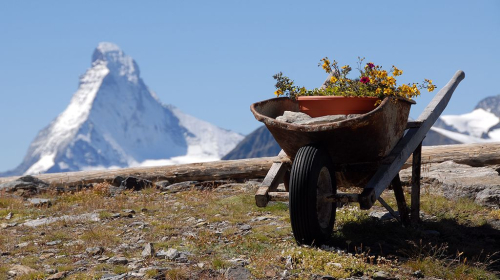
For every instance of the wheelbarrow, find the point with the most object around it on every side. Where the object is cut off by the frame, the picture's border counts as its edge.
(367, 151)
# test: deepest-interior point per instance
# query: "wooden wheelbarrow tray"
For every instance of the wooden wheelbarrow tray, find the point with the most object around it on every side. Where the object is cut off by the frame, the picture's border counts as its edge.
(382, 157)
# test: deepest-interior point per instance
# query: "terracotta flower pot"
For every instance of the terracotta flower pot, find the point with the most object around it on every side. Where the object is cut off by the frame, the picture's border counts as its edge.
(317, 106)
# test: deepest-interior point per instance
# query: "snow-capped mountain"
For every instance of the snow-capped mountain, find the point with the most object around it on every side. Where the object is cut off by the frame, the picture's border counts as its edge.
(114, 120)
(479, 126)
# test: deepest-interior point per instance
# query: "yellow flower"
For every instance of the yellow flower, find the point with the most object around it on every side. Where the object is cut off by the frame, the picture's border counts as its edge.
(326, 65)
(378, 91)
(387, 91)
(381, 74)
(333, 79)
(415, 90)
(345, 67)
(391, 81)
(397, 72)
(278, 92)
(431, 87)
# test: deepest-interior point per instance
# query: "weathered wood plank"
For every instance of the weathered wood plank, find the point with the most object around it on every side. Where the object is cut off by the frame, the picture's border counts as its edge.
(278, 196)
(206, 171)
(414, 136)
(415, 185)
(401, 201)
(273, 178)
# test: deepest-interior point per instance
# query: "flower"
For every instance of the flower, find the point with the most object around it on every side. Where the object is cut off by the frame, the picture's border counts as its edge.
(396, 72)
(373, 81)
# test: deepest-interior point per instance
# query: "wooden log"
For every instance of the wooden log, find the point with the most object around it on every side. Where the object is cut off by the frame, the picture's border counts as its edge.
(470, 154)
(206, 171)
(476, 155)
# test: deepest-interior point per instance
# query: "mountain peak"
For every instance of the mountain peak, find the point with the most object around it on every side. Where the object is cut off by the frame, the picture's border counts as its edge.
(114, 120)
(490, 104)
(118, 63)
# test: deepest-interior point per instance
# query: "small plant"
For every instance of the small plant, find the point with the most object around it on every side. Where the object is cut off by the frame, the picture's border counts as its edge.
(373, 81)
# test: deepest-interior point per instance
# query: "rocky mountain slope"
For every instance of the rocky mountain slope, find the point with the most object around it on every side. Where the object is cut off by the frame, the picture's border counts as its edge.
(259, 143)
(114, 120)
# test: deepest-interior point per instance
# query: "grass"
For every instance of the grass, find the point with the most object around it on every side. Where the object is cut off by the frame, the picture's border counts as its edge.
(208, 226)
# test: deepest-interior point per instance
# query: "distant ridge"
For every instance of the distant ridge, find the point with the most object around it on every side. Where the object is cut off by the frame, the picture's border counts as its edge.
(259, 143)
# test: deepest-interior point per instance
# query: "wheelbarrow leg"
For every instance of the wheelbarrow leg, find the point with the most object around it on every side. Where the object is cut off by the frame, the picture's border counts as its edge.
(415, 185)
(400, 199)
(273, 178)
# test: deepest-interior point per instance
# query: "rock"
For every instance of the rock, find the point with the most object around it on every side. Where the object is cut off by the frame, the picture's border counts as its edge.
(453, 180)
(323, 119)
(489, 197)
(245, 227)
(117, 260)
(128, 211)
(262, 218)
(57, 276)
(9, 216)
(137, 274)
(418, 274)
(22, 245)
(4, 225)
(382, 215)
(94, 251)
(336, 265)
(162, 185)
(289, 262)
(182, 258)
(113, 276)
(28, 184)
(238, 273)
(117, 181)
(68, 218)
(136, 184)
(381, 275)
(148, 250)
(53, 243)
(103, 259)
(238, 261)
(38, 202)
(17, 270)
(182, 186)
(292, 117)
(172, 253)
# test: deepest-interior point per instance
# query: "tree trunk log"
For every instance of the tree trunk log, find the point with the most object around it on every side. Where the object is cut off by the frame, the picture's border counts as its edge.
(475, 155)
(471, 154)
(206, 171)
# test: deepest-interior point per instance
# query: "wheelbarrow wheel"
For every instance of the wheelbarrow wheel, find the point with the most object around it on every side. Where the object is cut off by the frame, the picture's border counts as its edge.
(312, 178)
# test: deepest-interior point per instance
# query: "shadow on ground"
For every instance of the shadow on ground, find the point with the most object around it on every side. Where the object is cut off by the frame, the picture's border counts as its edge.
(444, 239)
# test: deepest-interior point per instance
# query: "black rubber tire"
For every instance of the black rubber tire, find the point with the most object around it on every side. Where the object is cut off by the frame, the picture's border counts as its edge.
(312, 175)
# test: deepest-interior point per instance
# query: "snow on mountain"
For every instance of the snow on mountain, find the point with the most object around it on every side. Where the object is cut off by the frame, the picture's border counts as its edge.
(114, 120)
(475, 123)
(479, 126)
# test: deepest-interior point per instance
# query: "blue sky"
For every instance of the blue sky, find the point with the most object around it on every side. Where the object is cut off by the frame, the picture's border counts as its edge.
(212, 59)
